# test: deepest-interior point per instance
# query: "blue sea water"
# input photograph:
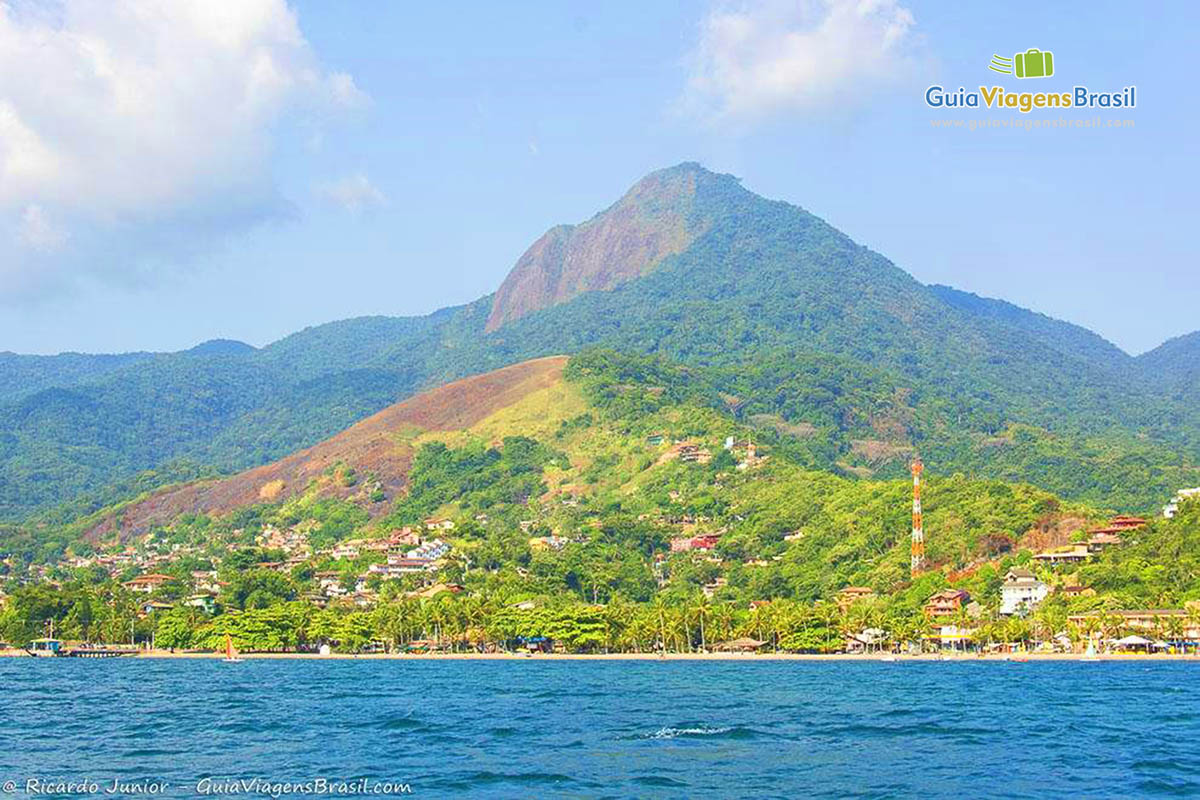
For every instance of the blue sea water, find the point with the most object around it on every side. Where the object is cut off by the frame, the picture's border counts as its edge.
(587, 729)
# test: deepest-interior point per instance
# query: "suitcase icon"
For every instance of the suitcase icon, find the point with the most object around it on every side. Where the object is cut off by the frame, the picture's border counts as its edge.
(1034, 63)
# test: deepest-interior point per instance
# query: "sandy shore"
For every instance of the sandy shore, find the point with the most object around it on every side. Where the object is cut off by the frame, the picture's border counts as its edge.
(745, 657)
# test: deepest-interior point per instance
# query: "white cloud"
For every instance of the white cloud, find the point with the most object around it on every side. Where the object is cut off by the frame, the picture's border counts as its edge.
(354, 193)
(778, 56)
(117, 115)
(37, 232)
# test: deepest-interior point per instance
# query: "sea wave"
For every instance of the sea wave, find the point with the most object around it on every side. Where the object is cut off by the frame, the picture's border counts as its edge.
(699, 731)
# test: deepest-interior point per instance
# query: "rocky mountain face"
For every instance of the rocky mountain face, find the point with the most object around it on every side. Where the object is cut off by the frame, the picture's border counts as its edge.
(655, 219)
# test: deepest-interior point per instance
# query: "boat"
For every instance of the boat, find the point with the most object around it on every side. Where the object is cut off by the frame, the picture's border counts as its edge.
(45, 648)
(231, 653)
(889, 658)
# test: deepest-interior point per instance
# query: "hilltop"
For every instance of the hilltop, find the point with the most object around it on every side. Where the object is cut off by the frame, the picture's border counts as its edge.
(688, 264)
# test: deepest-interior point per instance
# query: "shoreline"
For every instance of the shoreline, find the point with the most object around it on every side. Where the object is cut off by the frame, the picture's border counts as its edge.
(1016, 658)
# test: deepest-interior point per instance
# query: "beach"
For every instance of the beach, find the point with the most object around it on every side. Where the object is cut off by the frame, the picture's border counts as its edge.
(738, 657)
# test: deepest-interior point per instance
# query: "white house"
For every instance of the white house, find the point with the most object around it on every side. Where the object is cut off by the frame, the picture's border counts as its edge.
(1021, 591)
(1172, 508)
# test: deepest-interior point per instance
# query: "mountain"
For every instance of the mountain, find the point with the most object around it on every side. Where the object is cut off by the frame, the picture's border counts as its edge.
(1174, 363)
(1055, 333)
(23, 375)
(220, 347)
(800, 324)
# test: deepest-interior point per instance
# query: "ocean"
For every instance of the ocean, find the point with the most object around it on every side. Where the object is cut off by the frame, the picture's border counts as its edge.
(593, 729)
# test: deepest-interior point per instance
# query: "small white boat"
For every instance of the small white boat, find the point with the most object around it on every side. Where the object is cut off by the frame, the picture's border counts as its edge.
(231, 653)
(889, 659)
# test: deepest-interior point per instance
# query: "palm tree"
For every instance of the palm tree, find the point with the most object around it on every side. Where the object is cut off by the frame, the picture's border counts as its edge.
(1192, 613)
(702, 610)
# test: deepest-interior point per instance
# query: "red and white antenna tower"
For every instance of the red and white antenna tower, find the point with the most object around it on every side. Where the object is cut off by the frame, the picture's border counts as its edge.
(918, 527)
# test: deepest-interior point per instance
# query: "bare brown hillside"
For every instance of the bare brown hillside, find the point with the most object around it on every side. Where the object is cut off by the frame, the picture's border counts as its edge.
(378, 445)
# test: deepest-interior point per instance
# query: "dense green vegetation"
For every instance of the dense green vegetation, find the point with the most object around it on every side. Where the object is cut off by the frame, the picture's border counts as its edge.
(814, 335)
(604, 486)
(261, 611)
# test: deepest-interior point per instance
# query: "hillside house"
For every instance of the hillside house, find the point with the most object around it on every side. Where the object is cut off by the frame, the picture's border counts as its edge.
(1021, 592)
(149, 607)
(439, 524)
(548, 542)
(683, 544)
(946, 603)
(1071, 554)
(146, 584)
(330, 583)
(1182, 496)
(1102, 539)
(432, 550)
(204, 601)
(349, 549)
(693, 454)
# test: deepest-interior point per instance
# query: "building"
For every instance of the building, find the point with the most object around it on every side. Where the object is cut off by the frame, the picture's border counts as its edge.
(330, 582)
(954, 637)
(1021, 592)
(402, 565)
(693, 453)
(439, 524)
(1071, 554)
(204, 601)
(1102, 539)
(432, 550)
(1154, 621)
(148, 607)
(1183, 495)
(548, 542)
(146, 584)
(946, 603)
(706, 541)
(350, 548)
(865, 640)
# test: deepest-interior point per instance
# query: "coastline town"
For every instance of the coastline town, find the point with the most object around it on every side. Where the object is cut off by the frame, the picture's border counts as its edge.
(416, 572)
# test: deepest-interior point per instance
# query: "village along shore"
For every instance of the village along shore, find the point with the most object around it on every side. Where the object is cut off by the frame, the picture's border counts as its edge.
(1017, 657)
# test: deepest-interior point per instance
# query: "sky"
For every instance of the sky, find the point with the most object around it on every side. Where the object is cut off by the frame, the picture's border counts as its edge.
(175, 172)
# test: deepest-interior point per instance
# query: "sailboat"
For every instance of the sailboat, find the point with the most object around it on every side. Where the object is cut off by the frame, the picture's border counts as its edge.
(231, 653)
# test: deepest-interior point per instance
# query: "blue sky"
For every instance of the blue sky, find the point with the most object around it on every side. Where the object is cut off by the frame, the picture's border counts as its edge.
(256, 168)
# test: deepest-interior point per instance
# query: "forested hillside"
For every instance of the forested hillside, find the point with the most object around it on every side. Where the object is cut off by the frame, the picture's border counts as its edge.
(809, 333)
(581, 503)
